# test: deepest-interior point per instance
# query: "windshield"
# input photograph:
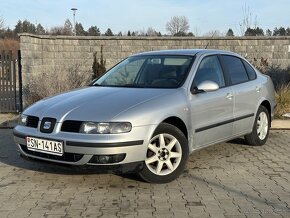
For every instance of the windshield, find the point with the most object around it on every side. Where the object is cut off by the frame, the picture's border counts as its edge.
(157, 71)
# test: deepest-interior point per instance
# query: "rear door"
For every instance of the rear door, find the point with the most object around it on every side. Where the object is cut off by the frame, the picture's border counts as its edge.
(246, 92)
(211, 112)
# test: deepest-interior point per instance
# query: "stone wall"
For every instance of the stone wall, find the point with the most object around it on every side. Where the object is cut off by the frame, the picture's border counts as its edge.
(54, 53)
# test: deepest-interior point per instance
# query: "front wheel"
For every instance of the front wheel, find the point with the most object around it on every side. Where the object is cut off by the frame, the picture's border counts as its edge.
(166, 156)
(260, 132)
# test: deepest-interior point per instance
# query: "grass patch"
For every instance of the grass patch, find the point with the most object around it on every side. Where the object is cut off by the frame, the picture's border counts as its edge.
(283, 100)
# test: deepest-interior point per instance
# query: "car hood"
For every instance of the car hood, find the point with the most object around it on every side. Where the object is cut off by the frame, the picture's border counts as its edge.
(98, 104)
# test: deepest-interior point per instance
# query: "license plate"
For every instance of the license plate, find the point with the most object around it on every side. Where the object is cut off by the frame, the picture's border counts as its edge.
(45, 146)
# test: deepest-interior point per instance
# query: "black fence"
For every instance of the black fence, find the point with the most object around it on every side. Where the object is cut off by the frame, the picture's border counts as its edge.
(10, 82)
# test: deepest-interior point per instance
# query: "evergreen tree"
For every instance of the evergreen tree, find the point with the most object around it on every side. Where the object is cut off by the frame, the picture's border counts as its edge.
(120, 33)
(190, 34)
(279, 32)
(254, 32)
(180, 33)
(109, 32)
(230, 33)
(18, 27)
(28, 27)
(288, 31)
(80, 30)
(276, 32)
(40, 30)
(268, 32)
(94, 31)
(282, 31)
(129, 33)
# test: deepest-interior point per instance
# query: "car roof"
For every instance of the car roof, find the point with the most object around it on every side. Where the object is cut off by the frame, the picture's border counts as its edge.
(190, 52)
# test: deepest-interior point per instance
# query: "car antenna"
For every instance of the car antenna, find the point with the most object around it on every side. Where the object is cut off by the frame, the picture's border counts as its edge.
(210, 38)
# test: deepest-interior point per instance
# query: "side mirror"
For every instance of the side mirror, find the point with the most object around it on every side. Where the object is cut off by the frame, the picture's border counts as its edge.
(205, 86)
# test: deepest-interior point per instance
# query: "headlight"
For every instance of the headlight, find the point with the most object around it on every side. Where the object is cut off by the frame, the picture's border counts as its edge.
(105, 128)
(22, 120)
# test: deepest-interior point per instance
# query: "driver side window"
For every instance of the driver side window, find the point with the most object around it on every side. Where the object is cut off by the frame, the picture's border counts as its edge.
(126, 73)
(210, 70)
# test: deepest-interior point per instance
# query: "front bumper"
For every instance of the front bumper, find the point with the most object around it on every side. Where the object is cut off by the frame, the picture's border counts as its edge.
(80, 149)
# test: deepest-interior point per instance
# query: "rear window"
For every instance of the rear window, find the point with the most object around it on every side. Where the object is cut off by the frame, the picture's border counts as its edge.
(235, 69)
(251, 72)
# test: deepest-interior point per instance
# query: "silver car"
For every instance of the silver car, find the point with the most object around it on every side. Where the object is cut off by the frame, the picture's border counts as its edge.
(150, 111)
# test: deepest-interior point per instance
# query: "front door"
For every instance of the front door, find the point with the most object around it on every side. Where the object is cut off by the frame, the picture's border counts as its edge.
(211, 112)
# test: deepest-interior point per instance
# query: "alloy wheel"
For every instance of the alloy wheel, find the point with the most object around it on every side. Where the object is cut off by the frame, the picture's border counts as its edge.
(262, 125)
(163, 155)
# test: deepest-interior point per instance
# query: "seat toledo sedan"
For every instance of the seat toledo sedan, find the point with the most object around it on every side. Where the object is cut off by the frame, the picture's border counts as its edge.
(150, 111)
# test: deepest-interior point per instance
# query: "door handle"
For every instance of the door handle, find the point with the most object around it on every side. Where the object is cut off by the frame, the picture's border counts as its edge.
(258, 89)
(229, 96)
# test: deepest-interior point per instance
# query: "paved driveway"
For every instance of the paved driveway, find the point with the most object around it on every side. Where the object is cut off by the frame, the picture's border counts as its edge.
(225, 180)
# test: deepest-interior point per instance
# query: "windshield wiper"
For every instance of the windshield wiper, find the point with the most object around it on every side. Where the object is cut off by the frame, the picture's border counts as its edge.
(125, 85)
(95, 84)
(134, 86)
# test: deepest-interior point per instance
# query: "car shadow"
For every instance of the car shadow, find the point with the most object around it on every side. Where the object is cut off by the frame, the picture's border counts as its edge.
(238, 141)
(9, 155)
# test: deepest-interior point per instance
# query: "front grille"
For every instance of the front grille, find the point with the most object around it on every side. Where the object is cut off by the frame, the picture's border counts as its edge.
(71, 126)
(32, 121)
(67, 157)
(47, 124)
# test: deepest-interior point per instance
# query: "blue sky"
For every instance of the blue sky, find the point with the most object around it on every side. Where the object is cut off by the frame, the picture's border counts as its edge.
(123, 15)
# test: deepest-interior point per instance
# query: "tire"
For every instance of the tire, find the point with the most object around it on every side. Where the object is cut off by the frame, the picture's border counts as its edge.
(166, 156)
(260, 131)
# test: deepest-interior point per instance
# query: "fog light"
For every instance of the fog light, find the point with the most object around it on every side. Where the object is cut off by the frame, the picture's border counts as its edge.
(103, 159)
(107, 159)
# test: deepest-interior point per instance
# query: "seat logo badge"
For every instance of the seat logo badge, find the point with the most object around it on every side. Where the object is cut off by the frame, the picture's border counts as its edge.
(46, 125)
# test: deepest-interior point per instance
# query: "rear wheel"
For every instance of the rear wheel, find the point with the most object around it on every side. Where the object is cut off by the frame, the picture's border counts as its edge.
(260, 132)
(166, 156)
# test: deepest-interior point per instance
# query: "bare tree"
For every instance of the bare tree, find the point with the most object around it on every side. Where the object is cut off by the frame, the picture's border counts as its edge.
(196, 31)
(177, 25)
(214, 33)
(151, 32)
(138, 33)
(1, 23)
(56, 30)
(247, 19)
(67, 27)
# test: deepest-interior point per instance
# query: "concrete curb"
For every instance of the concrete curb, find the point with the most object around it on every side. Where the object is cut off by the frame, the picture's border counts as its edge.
(281, 124)
(8, 121)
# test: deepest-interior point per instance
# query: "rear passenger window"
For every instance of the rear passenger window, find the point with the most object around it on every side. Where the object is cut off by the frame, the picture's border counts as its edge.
(251, 72)
(235, 69)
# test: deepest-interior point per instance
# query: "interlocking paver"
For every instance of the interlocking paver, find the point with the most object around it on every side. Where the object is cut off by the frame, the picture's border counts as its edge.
(230, 180)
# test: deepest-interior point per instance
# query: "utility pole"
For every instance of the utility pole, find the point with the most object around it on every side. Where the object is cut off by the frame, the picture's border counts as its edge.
(74, 14)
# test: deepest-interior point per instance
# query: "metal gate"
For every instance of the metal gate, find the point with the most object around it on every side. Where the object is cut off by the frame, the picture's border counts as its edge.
(10, 77)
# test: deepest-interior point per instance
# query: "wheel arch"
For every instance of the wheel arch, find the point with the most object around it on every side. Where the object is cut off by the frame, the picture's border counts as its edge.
(267, 105)
(176, 121)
